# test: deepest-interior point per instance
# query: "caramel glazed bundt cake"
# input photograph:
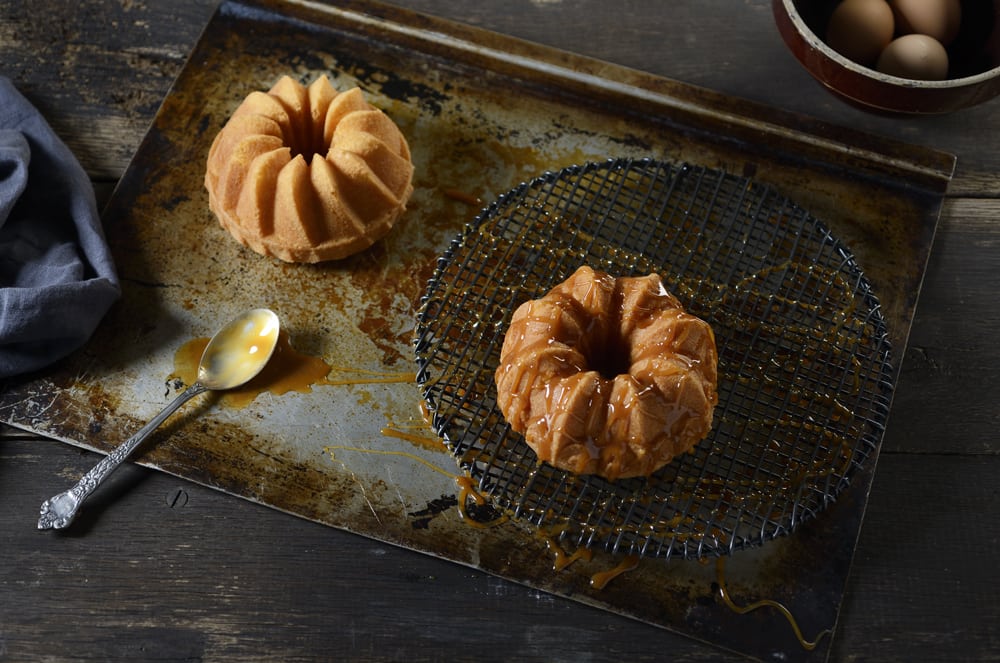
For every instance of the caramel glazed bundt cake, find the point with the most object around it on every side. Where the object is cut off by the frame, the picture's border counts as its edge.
(608, 376)
(307, 174)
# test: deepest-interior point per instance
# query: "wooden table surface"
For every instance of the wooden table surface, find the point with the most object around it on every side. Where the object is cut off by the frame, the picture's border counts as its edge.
(173, 571)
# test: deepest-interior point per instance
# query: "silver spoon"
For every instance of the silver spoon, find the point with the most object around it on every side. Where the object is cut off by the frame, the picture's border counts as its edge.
(233, 357)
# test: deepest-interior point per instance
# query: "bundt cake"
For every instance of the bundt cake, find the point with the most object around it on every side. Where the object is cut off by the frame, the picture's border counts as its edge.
(308, 174)
(608, 376)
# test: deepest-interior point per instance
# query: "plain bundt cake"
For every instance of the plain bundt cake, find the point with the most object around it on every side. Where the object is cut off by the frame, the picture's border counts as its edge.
(608, 376)
(307, 174)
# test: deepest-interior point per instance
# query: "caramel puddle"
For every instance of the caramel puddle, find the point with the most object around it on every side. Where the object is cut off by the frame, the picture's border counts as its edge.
(288, 370)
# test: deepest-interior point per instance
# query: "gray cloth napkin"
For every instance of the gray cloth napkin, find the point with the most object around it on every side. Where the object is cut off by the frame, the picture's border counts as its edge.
(57, 277)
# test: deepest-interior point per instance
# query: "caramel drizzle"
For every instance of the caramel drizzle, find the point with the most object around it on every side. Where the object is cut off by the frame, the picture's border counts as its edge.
(463, 197)
(600, 580)
(362, 376)
(720, 578)
(419, 434)
(467, 490)
(562, 559)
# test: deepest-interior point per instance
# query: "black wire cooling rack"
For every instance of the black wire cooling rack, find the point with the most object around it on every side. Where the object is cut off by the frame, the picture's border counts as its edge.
(804, 372)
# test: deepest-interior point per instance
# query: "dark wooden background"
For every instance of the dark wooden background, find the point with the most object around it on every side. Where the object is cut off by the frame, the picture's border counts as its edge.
(172, 571)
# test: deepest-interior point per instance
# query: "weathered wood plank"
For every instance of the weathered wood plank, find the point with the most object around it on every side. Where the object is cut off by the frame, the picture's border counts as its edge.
(97, 70)
(952, 360)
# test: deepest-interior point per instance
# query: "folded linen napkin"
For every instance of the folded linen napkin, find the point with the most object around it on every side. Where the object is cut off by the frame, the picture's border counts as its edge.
(57, 276)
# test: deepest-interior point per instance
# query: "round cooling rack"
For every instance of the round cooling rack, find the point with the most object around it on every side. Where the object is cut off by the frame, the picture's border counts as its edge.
(804, 375)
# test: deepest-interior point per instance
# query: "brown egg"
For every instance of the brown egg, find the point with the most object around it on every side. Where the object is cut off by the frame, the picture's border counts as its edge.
(915, 56)
(860, 29)
(940, 19)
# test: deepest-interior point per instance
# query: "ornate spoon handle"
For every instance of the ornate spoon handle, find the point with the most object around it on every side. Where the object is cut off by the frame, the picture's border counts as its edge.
(59, 510)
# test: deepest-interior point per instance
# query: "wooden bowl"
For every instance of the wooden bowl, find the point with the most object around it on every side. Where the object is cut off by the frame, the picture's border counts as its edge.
(974, 58)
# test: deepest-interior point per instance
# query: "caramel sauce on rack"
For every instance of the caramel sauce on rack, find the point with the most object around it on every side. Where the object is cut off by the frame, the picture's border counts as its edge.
(563, 559)
(720, 578)
(467, 491)
(828, 355)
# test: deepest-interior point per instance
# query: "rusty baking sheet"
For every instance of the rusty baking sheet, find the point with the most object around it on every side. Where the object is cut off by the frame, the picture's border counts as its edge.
(482, 113)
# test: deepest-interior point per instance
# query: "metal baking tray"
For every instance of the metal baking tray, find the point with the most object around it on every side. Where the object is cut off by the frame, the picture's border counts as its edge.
(483, 113)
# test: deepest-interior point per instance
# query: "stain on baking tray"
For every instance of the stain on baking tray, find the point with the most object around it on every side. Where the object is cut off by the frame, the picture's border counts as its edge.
(423, 517)
(283, 46)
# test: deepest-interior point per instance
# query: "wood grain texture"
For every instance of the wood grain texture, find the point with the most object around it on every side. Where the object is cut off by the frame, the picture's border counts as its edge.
(168, 570)
(98, 70)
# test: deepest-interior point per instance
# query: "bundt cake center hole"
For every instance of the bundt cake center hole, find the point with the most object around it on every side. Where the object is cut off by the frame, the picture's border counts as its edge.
(305, 137)
(611, 359)
(308, 147)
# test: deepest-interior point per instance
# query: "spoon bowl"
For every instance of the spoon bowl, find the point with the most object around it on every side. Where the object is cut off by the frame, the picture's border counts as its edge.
(235, 355)
(239, 351)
